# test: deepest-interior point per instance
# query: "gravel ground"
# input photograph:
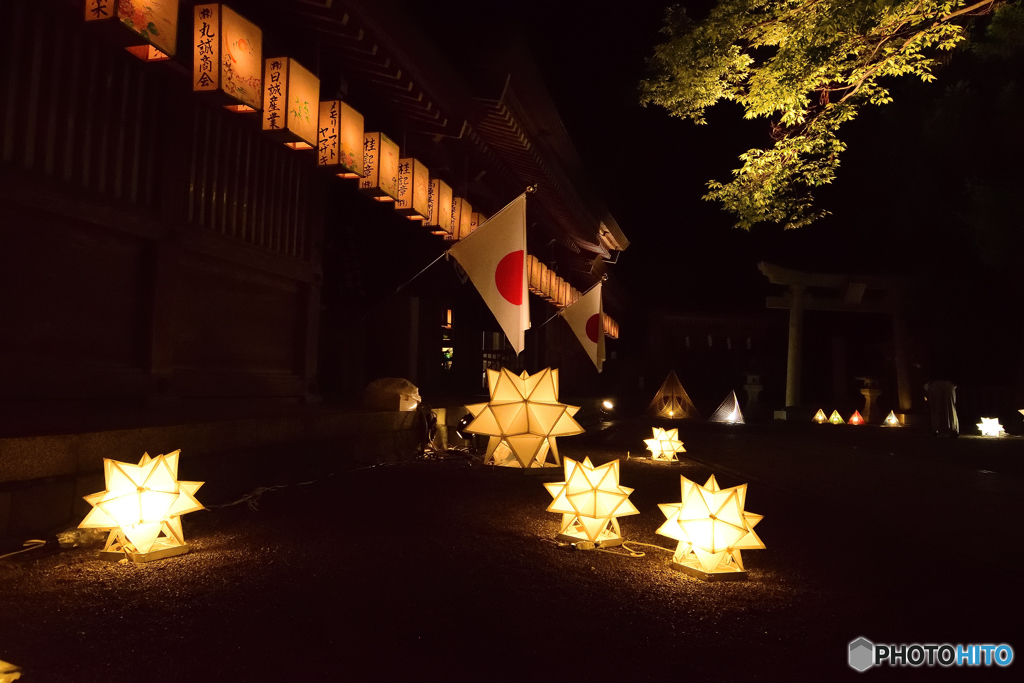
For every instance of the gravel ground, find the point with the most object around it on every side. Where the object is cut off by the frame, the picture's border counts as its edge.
(445, 570)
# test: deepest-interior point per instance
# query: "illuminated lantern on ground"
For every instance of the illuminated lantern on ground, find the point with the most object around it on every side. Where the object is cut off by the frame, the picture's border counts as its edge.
(856, 419)
(340, 140)
(729, 411)
(711, 528)
(835, 418)
(439, 218)
(413, 190)
(819, 417)
(291, 103)
(151, 25)
(142, 507)
(672, 401)
(590, 499)
(227, 58)
(380, 167)
(8, 672)
(523, 418)
(990, 426)
(462, 217)
(891, 420)
(665, 444)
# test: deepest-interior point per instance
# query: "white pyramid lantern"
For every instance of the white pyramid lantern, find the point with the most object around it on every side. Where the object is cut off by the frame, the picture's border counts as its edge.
(711, 528)
(729, 412)
(891, 420)
(590, 499)
(523, 418)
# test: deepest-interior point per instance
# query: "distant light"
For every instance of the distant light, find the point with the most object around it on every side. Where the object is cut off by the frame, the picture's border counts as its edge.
(990, 426)
(608, 405)
(819, 417)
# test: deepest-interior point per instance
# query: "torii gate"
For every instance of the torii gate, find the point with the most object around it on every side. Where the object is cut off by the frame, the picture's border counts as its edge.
(850, 290)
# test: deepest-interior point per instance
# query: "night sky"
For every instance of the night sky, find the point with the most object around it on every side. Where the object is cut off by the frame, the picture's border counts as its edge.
(928, 187)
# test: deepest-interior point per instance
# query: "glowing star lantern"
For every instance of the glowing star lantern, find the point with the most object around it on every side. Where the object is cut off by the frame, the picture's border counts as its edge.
(590, 499)
(819, 417)
(835, 418)
(340, 140)
(8, 672)
(146, 23)
(665, 444)
(413, 188)
(711, 528)
(891, 420)
(227, 58)
(990, 426)
(856, 419)
(523, 418)
(291, 103)
(142, 507)
(380, 167)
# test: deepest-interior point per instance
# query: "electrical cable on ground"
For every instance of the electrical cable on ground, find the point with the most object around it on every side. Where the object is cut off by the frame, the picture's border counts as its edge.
(30, 544)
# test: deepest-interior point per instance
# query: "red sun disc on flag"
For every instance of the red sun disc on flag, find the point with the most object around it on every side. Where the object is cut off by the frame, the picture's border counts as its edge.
(508, 277)
(592, 323)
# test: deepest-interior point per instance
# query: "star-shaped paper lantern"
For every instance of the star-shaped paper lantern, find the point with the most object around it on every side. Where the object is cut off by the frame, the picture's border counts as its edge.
(819, 417)
(856, 418)
(523, 418)
(891, 420)
(990, 426)
(590, 499)
(665, 444)
(142, 507)
(711, 528)
(8, 672)
(835, 418)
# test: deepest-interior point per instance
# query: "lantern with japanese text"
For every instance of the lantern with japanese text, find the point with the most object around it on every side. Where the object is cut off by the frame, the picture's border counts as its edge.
(148, 28)
(413, 189)
(227, 58)
(380, 167)
(340, 140)
(439, 199)
(291, 98)
(462, 214)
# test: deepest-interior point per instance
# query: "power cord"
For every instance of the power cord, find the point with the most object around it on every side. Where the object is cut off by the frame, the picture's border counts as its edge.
(30, 544)
(590, 545)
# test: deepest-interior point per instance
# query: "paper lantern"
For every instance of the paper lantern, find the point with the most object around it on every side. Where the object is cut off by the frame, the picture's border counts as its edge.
(856, 419)
(728, 411)
(291, 97)
(227, 58)
(439, 218)
(665, 444)
(990, 426)
(476, 220)
(380, 167)
(711, 528)
(523, 418)
(142, 507)
(819, 417)
(8, 672)
(462, 214)
(340, 140)
(891, 420)
(672, 401)
(835, 418)
(134, 23)
(590, 500)
(413, 190)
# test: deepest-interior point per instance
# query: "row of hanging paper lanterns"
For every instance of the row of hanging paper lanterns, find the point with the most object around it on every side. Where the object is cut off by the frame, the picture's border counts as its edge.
(228, 68)
(546, 284)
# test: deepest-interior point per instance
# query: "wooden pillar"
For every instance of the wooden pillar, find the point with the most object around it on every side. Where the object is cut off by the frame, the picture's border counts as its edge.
(796, 332)
(901, 356)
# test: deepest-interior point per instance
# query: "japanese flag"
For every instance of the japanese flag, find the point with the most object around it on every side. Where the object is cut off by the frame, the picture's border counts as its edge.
(494, 258)
(586, 318)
